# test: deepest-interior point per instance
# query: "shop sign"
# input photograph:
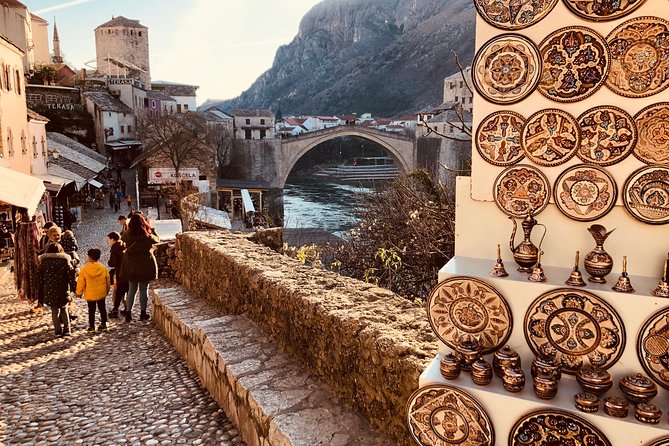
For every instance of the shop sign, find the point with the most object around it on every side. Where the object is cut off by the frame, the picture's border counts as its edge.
(163, 175)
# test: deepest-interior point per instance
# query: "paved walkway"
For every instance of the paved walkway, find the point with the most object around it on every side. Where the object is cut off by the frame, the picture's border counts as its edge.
(126, 386)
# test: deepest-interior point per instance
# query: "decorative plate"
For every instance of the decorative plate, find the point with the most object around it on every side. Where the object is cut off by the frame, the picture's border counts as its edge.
(653, 347)
(498, 138)
(506, 69)
(608, 135)
(585, 329)
(555, 427)
(441, 415)
(585, 193)
(661, 442)
(550, 137)
(653, 125)
(463, 308)
(521, 189)
(513, 15)
(575, 61)
(639, 57)
(646, 195)
(602, 10)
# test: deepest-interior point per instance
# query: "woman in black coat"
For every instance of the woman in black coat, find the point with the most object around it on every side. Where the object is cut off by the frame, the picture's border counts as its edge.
(139, 265)
(56, 279)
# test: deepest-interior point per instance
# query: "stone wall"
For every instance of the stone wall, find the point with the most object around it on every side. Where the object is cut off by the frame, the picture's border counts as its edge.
(368, 344)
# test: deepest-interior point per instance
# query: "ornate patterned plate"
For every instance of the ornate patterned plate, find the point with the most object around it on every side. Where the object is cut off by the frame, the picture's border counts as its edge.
(646, 195)
(555, 427)
(639, 57)
(602, 10)
(441, 415)
(498, 138)
(653, 347)
(653, 125)
(521, 189)
(585, 329)
(550, 137)
(585, 193)
(463, 308)
(608, 135)
(513, 15)
(661, 442)
(506, 69)
(575, 62)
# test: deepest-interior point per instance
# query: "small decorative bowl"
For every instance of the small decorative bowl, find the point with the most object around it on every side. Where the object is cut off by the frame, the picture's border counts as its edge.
(468, 351)
(546, 365)
(586, 402)
(637, 388)
(513, 379)
(545, 387)
(616, 407)
(647, 413)
(481, 372)
(450, 366)
(594, 380)
(503, 359)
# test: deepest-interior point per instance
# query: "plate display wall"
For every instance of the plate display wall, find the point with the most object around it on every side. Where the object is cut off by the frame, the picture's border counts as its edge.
(646, 195)
(574, 64)
(506, 69)
(441, 415)
(608, 135)
(498, 138)
(555, 427)
(585, 193)
(602, 10)
(652, 124)
(513, 15)
(550, 137)
(521, 189)
(653, 347)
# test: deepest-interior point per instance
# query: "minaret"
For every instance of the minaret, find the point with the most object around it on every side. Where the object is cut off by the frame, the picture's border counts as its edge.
(57, 57)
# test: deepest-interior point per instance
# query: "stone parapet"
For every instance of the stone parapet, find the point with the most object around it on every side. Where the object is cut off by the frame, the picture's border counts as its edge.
(368, 344)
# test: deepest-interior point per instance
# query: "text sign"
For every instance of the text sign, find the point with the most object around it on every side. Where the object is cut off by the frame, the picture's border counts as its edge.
(163, 175)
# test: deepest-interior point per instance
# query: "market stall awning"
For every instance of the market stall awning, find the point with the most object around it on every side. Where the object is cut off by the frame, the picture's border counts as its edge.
(59, 171)
(54, 183)
(95, 183)
(20, 190)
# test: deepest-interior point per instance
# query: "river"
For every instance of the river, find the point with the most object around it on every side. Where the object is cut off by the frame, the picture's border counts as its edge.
(316, 203)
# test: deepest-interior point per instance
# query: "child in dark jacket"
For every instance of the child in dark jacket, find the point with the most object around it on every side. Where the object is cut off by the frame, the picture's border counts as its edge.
(56, 279)
(117, 247)
(70, 246)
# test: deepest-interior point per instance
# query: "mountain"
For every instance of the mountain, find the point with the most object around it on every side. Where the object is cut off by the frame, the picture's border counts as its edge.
(386, 57)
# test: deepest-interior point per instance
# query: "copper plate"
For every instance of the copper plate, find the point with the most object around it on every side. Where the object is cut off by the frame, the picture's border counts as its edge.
(521, 189)
(585, 329)
(585, 193)
(555, 427)
(652, 123)
(550, 137)
(442, 415)
(646, 195)
(661, 442)
(574, 64)
(506, 69)
(498, 138)
(639, 57)
(608, 135)
(464, 308)
(653, 347)
(513, 15)
(602, 10)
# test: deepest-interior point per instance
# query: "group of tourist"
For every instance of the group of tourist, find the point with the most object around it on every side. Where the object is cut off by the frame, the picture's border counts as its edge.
(133, 266)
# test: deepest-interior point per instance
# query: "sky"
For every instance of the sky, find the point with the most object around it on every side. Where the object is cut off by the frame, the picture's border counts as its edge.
(220, 45)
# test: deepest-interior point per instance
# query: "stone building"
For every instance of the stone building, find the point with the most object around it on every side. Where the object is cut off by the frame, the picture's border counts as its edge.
(253, 123)
(185, 95)
(25, 30)
(40, 40)
(115, 126)
(122, 49)
(159, 104)
(458, 88)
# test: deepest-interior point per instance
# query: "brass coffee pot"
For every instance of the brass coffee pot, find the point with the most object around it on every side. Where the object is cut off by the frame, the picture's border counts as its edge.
(526, 254)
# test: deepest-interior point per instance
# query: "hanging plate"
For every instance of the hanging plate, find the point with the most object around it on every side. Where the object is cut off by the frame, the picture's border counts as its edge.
(653, 347)
(550, 137)
(498, 138)
(646, 195)
(651, 123)
(521, 189)
(608, 135)
(513, 15)
(602, 10)
(555, 427)
(585, 193)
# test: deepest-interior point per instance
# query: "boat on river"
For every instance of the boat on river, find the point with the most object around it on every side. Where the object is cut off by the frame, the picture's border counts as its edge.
(362, 168)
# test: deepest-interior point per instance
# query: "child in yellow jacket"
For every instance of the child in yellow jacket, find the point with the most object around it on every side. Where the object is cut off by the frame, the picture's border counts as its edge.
(94, 284)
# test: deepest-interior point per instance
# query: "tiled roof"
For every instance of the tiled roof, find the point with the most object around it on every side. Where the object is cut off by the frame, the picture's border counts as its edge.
(382, 121)
(156, 94)
(452, 116)
(76, 145)
(175, 88)
(294, 121)
(36, 116)
(411, 117)
(208, 116)
(80, 160)
(121, 21)
(73, 167)
(252, 112)
(107, 102)
(327, 118)
(347, 117)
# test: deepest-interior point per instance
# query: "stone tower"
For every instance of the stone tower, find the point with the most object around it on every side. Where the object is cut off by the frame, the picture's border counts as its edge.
(122, 49)
(57, 56)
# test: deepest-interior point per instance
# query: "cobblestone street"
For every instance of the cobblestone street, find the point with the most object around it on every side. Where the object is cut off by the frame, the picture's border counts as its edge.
(125, 386)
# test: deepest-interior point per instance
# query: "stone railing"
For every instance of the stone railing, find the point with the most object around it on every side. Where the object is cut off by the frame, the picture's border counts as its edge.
(368, 344)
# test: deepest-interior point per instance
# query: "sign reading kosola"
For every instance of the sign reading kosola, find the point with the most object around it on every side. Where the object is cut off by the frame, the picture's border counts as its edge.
(162, 175)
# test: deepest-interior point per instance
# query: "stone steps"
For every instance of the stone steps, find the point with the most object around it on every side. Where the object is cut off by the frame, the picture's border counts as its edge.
(270, 396)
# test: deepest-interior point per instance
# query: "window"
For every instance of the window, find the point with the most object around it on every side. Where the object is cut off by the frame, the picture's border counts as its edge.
(110, 114)
(122, 129)
(263, 134)
(456, 99)
(140, 33)
(129, 129)
(247, 134)
(185, 107)
(262, 121)
(470, 100)
(35, 152)
(153, 104)
(43, 147)
(178, 108)
(248, 122)
(24, 144)
(18, 82)
(10, 143)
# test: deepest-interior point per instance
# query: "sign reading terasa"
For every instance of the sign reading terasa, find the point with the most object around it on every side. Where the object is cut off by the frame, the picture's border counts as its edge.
(164, 175)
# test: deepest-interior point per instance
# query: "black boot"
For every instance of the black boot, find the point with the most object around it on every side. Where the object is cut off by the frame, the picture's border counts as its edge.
(144, 316)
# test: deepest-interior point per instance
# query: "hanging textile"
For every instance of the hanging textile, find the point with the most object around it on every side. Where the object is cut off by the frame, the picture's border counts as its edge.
(25, 260)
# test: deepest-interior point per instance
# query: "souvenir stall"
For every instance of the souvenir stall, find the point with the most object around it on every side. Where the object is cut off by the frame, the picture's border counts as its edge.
(553, 316)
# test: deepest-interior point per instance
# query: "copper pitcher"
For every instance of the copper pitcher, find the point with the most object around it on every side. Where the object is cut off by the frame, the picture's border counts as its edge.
(526, 254)
(598, 263)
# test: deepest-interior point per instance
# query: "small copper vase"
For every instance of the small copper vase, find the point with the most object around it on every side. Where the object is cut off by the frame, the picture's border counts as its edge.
(545, 387)
(449, 366)
(513, 379)
(468, 351)
(598, 263)
(505, 358)
(547, 366)
(481, 372)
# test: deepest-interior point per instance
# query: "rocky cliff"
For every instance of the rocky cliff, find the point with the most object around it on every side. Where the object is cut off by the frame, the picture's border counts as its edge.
(386, 57)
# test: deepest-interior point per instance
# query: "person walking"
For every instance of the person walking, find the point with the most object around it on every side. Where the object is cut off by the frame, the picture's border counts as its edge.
(94, 285)
(112, 199)
(139, 265)
(129, 199)
(55, 280)
(117, 248)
